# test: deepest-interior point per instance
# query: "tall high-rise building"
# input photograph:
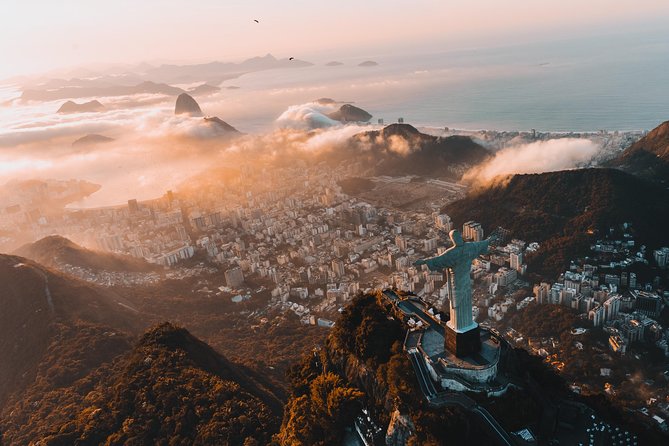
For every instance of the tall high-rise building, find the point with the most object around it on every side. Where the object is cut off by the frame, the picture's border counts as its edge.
(661, 257)
(589, 304)
(215, 218)
(234, 277)
(566, 296)
(541, 292)
(472, 230)
(632, 331)
(111, 243)
(199, 222)
(505, 276)
(133, 206)
(516, 261)
(430, 245)
(274, 274)
(443, 222)
(612, 307)
(577, 302)
(647, 303)
(338, 267)
(181, 232)
(597, 316)
(401, 243)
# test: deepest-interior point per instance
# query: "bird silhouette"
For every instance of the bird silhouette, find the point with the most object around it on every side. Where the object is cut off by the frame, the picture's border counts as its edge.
(256, 21)
(291, 58)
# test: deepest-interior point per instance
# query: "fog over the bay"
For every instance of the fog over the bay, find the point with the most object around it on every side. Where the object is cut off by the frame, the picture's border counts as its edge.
(278, 111)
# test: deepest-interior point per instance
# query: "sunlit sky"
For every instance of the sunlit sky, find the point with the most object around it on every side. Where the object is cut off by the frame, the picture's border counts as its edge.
(43, 35)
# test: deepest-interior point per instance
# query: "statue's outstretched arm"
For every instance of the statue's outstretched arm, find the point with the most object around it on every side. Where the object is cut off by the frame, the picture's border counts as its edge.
(436, 263)
(483, 246)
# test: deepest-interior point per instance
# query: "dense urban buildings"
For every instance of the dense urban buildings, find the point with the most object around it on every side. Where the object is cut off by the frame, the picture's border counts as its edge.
(298, 239)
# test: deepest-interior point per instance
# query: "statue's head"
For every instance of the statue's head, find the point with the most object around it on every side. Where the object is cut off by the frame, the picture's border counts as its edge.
(456, 237)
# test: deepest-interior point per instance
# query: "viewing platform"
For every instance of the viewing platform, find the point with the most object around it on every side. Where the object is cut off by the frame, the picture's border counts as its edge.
(477, 372)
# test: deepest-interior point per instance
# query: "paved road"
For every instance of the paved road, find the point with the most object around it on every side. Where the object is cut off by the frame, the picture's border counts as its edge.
(409, 307)
(424, 378)
(453, 399)
(441, 399)
(430, 392)
(502, 436)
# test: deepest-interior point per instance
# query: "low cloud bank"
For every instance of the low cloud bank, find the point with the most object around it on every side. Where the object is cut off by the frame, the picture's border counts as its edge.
(307, 116)
(152, 151)
(536, 157)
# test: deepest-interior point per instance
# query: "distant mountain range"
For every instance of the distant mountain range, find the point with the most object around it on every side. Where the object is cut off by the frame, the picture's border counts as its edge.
(86, 107)
(648, 157)
(54, 251)
(147, 79)
(203, 90)
(73, 92)
(325, 101)
(217, 72)
(91, 140)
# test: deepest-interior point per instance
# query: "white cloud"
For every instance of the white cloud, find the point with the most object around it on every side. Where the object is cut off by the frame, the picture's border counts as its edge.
(536, 157)
(307, 116)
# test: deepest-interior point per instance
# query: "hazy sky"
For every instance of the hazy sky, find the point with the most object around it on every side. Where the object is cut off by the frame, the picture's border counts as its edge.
(47, 34)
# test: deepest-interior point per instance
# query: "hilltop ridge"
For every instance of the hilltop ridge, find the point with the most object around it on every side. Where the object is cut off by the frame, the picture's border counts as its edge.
(400, 149)
(55, 250)
(564, 210)
(649, 156)
(169, 386)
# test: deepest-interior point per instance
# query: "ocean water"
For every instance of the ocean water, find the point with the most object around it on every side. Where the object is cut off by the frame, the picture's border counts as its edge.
(616, 82)
(610, 82)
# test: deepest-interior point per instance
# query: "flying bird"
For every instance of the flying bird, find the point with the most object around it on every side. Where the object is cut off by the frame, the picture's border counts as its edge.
(256, 21)
(291, 58)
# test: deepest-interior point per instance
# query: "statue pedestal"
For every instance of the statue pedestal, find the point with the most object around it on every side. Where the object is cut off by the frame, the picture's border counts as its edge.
(463, 344)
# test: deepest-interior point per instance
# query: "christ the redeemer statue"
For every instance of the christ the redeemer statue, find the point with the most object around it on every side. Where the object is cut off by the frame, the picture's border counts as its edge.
(457, 261)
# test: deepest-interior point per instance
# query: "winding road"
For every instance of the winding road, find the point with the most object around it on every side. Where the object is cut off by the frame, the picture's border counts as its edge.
(441, 399)
(445, 398)
(47, 291)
